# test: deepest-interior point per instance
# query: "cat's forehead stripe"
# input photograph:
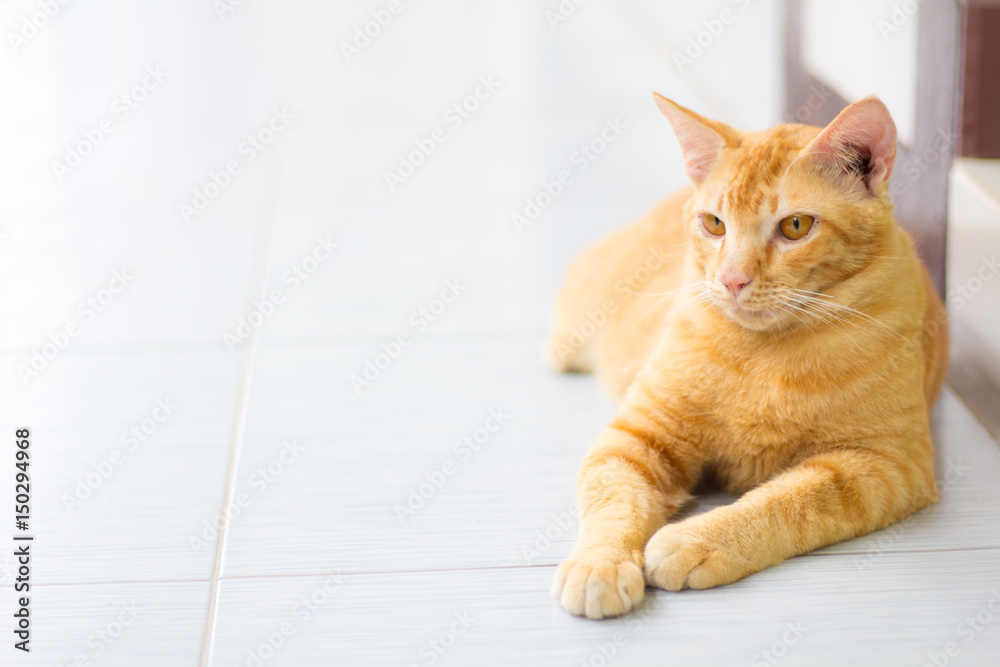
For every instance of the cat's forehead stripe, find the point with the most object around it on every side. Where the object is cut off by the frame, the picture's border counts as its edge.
(759, 166)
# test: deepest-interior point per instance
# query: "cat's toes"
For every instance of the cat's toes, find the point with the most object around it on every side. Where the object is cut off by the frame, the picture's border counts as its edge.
(678, 558)
(598, 586)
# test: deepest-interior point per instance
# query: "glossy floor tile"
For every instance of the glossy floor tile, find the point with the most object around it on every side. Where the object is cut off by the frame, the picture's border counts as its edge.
(129, 453)
(116, 623)
(813, 610)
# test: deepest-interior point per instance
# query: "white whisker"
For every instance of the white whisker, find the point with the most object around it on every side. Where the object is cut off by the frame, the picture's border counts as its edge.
(832, 305)
(826, 316)
(702, 286)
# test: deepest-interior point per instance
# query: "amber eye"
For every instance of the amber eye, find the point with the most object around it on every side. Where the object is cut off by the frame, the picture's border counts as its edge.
(712, 224)
(795, 227)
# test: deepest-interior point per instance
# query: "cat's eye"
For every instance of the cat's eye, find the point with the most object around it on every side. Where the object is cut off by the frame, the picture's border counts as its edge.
(712, 224)
(795, 227)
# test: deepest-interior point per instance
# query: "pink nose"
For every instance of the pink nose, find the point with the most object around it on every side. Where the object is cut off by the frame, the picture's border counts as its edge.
(735, 282)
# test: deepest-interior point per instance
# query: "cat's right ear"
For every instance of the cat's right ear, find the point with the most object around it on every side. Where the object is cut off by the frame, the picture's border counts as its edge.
(861, 141)
(702, 140)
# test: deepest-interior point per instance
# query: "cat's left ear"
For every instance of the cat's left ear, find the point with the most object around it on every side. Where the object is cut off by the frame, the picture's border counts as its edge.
(860, 141)
(702, 140)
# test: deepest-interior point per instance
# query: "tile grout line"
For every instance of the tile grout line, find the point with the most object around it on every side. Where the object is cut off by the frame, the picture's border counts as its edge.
(250, 355)
(230, 491)
(236, 445)
(463, 568)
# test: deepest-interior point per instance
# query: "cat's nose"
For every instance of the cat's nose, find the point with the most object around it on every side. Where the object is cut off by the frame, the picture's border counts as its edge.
(735, 282)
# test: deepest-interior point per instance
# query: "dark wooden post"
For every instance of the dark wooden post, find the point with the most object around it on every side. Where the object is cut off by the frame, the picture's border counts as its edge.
(920, 179)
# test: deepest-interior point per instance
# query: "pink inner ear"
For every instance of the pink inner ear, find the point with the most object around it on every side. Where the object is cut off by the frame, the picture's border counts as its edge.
(862, 131)
(701, 149)
(700, 144)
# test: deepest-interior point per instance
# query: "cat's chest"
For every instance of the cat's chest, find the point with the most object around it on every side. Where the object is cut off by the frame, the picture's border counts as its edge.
(762, 409)
(760, 405)
(762, 422)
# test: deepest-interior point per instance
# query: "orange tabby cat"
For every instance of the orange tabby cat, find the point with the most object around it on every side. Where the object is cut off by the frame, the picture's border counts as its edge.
(793, 354)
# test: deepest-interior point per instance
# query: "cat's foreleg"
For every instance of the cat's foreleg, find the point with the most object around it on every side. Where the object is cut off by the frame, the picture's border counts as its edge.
(628, 487)
(825, 499)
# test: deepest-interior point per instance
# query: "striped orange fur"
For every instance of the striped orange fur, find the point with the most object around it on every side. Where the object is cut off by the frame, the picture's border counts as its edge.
(799, 373)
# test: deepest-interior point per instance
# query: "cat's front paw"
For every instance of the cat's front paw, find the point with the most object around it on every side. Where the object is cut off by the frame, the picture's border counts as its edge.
(684, 555)
(598, 585)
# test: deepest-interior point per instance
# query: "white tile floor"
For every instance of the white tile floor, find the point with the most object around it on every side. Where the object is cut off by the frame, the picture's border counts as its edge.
(313, 556)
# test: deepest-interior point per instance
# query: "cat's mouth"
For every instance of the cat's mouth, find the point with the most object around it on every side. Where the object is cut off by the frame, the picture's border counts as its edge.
(755, 318)
(757, 311)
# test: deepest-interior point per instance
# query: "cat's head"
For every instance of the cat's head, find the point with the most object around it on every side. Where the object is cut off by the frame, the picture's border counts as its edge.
(782, 216)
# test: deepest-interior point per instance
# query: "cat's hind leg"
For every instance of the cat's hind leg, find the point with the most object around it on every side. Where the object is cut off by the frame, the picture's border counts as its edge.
(595, 310)
(570, 347)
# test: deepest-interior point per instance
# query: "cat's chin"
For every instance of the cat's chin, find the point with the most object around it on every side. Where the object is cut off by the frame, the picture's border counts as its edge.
(756, 319)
